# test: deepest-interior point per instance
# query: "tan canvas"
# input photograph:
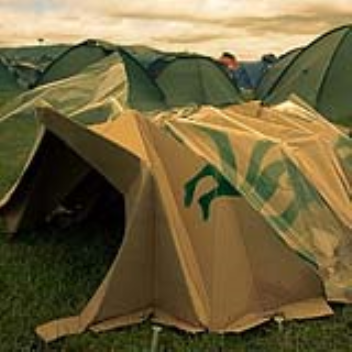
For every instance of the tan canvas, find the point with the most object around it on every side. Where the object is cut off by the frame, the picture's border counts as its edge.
(227, 273)
(215, 215)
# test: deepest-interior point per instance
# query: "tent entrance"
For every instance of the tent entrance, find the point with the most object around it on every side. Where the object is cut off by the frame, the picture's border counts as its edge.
(81, 195)
(93, 201)
(92, 204)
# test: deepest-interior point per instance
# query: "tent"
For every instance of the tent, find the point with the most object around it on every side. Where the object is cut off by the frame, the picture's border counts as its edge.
(274, 73)
(206, 247)
(196, 80)
(9, 86)
(143, 88)
(321, 74)
(104, 89)
(26, 73)
(74, 60)
(145, 55)
(38, 55)
(98, 93)
(157, 66)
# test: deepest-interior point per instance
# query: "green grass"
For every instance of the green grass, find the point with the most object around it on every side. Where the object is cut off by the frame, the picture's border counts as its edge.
(52, 273)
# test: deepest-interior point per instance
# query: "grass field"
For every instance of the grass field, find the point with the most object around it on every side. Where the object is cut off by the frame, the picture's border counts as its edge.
(51, 273)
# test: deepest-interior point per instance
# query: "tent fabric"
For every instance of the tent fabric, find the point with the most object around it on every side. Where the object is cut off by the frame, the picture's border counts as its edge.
(74, 60)
(9, 86)
(215, 274)
(94, 96)
(87, 89)
(109, 79)
(8, 81)
(181, 80)
(321, 75)
(145, 94)
(98, 93)
(157, 66)
(145, 55)
(199, 243)
(312, 212)
(26, 73)
(274, 72)
(196, 80)
(104, 89)
(38, 55)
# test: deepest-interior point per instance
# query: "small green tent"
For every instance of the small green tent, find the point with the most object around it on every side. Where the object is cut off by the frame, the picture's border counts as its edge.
(274, 72)
(321, 74)
(74, 60)
(195, 79)
(144, 93)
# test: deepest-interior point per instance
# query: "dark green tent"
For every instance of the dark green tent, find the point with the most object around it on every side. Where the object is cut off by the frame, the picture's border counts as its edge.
(321, 74)
(144, 93)
(274, 73)
(199, 80)
(75, 59)
(145, 55)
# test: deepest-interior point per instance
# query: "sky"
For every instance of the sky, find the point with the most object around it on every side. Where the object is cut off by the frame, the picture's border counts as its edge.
(248, 28)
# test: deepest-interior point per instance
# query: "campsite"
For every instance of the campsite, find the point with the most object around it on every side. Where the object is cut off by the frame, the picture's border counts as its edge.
(165, 200)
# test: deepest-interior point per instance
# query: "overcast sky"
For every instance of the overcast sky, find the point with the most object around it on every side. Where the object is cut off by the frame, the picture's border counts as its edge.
(248, 28)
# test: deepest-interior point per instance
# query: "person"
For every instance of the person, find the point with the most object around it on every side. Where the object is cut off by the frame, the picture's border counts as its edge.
(235, 71)
(229, 61)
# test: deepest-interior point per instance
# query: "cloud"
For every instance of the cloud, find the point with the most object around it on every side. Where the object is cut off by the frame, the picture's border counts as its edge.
(209, 26)
(19, 4)
(307, 23)
(206, 10)
(187, 38)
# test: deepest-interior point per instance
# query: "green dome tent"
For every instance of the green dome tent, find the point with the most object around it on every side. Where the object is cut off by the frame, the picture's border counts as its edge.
(183, 80)
(74, 60)
(194, 79)
(274, 72)
(321, 74)
(145, 94)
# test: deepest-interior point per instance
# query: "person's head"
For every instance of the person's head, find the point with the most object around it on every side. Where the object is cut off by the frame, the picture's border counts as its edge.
(229, 60)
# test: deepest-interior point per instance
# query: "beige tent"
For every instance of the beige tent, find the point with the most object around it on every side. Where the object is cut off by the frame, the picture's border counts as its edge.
(294, 168)
(212, 264)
